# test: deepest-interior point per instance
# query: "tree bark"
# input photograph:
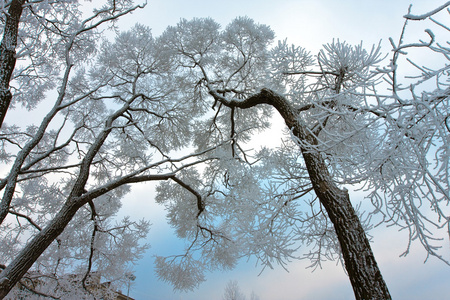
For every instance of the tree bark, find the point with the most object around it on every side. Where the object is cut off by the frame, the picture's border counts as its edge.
(8, 54)
(360, 263)
(29, 254)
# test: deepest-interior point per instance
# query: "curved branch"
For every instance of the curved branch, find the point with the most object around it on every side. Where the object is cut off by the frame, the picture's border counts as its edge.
(200, 205)
(410, 16)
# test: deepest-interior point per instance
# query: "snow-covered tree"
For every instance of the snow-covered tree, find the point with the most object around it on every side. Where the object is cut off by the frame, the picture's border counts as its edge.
(352, 121)
(124, 109)
(113, 118)
(232, 291)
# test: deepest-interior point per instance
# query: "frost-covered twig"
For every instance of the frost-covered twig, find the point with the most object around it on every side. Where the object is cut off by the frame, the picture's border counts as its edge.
(410, 16)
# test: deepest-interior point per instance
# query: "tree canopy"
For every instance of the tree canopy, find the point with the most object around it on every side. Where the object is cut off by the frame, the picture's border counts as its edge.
(184, 109)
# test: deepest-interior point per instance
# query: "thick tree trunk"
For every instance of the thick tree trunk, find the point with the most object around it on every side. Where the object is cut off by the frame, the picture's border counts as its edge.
(8, 54)
(31, 252)
(362, 268)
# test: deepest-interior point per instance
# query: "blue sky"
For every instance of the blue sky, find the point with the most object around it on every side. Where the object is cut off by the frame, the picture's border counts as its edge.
(408, 278)
(308, 23)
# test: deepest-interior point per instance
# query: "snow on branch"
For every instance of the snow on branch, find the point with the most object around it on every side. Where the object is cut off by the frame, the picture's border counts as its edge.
(426, 15)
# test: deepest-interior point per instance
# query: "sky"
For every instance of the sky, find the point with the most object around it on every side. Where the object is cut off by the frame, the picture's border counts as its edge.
(307, 23)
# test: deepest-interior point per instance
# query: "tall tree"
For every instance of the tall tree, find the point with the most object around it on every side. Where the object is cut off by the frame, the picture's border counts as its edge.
(114, 121)
(394, 144)
(120, 114)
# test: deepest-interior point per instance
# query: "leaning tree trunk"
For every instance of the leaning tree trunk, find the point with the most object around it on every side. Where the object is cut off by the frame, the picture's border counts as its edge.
(362, 268)
(76, 199)
(360, 263)
(8, 54)
(29, 254)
